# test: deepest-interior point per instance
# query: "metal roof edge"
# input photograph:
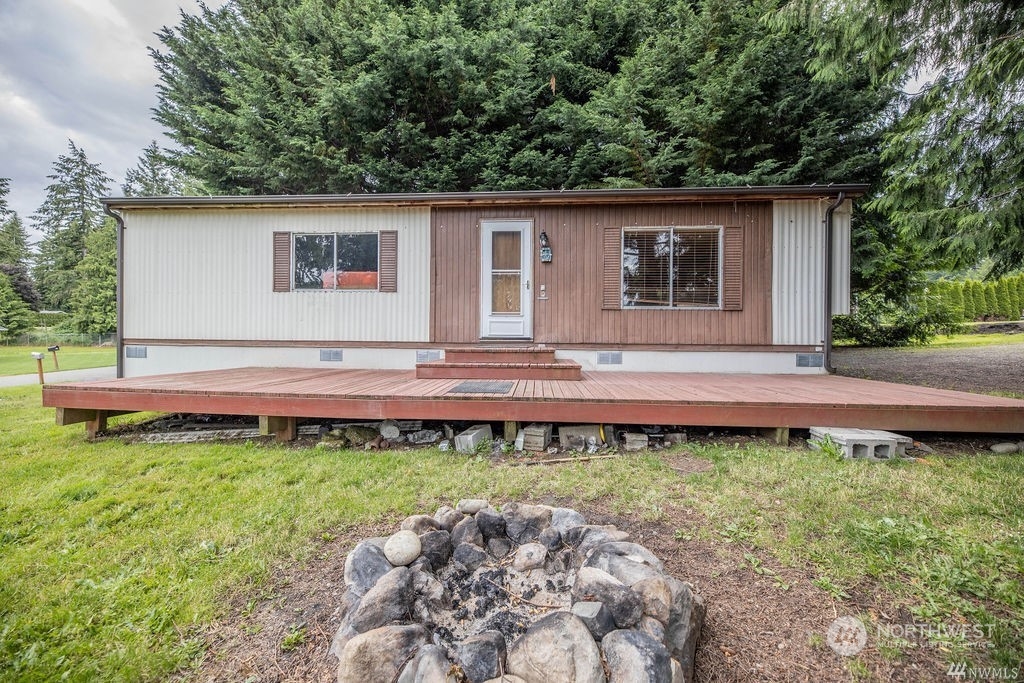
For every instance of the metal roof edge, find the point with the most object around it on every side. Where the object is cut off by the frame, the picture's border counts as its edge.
(443, 199)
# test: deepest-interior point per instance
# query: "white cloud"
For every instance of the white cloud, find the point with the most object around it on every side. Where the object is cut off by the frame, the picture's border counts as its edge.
(77, 69)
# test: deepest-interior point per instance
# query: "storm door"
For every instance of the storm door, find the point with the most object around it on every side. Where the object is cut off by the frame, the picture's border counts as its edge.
(505, 298)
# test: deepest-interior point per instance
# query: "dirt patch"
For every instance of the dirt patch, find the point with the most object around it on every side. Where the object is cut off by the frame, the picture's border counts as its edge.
(987, 369)
(764, 622)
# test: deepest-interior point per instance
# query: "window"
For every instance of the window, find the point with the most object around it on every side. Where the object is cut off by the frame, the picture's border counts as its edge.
(671, 267)
(336, 261)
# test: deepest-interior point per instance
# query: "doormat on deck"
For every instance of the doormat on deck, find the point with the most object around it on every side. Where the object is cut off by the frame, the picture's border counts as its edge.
(481, 387)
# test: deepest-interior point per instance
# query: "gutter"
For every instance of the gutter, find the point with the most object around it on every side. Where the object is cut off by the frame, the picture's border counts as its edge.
(840, 198)
(119, 333)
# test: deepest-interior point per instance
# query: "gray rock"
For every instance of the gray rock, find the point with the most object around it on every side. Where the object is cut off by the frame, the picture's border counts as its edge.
(652, 627)
(467, 531)
(510, 678)
(678, 676)
(437, 547)
(430, 665)
(1004, 448)
(585, 538)
(627, 562)
(557, 647)
(380, 654)
(499, 547)
(420, 524)
(550, 538)
(389, 430)
(529, 556)
(564, 519)
(389, 600)
(424, 436)
(685, 622)
(430, 593)
(635, 657)
(596, 616)
(359, 436)
(482, 657)
(559, 562)
(364, 565)
(622, 601)
(523, 523)
(656, 596)
(491, 523)
(471, 506)
(349, 604)
(448, 517)
(402, 548)
(469, 556)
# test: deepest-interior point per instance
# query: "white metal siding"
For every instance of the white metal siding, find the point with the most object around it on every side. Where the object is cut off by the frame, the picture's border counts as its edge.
(208, 274)
(798, 248)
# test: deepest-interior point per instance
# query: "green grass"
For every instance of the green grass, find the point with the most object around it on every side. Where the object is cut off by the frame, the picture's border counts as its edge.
(17, 360)
(944, 538)
(113, 556)
(964, 341)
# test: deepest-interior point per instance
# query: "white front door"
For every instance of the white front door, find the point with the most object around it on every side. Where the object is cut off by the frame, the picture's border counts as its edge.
(506, 299)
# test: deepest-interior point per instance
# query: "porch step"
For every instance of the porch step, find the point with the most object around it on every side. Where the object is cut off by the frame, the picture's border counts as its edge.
(528, 362)
(499, 354)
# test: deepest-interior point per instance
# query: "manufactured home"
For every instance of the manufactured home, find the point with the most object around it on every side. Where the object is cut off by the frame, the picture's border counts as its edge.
(730, 279)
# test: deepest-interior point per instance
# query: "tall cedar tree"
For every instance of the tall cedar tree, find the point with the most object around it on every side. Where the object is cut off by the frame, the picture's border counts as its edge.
(272, 96)
(70, 212)
(955, 159)
(15, 251)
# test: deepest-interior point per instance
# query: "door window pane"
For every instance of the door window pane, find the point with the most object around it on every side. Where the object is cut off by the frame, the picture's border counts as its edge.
(505, 293)
(506, 252)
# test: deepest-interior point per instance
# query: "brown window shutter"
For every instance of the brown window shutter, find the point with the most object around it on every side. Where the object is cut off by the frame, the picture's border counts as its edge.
(389, 261)
(611, 278)
(282, 261)
(732, 269)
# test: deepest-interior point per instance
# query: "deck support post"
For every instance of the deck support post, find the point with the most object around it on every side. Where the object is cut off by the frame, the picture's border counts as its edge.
(283, 428)
(511, 430)
(780, 435)
(97, 424)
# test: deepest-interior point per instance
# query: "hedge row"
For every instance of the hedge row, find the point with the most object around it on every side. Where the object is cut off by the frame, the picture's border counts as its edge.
(969, 300)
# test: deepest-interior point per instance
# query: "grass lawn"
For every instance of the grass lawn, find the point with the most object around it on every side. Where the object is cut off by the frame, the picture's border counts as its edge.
(113, 557)
(963, 341)
(17, 360)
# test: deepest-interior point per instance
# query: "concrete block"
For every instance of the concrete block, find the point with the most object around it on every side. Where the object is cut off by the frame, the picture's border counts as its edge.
(536, 437)
(577, 437)
(467, 441)
(863, 444)
(635, 442)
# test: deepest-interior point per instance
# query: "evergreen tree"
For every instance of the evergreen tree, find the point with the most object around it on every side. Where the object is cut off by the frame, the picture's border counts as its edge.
(978, 294)
(991, 301)
(1004, 303)
(94, 298)
(15, 316)
(955, 156)
(968, 299)
(15, 251)
(156, 176)
(70, 212)
(1017, 290)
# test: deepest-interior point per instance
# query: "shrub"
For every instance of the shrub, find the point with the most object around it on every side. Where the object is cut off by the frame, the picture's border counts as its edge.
(875, 321)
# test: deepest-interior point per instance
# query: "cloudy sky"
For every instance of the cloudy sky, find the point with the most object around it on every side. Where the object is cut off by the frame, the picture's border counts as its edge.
(79, 70)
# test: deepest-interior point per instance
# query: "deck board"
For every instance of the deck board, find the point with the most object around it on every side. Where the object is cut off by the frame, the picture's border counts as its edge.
(797, 401)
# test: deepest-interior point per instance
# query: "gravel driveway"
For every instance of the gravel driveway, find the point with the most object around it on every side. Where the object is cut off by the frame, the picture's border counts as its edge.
(986, 369)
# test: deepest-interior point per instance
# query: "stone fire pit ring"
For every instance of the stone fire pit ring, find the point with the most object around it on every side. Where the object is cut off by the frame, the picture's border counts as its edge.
(521, 593)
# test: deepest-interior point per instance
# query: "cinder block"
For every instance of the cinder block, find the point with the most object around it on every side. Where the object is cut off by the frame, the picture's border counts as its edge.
(577, 437)
(863, 444)
(536, 437)
(467, 441)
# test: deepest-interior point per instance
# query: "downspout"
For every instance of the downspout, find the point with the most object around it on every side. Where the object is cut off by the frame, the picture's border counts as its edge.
(119, 332)
(828, 280)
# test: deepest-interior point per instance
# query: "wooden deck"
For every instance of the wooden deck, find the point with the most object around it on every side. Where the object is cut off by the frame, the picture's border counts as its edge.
(726, 400)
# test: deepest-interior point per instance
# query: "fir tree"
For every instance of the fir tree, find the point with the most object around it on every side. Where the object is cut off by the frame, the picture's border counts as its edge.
(155, 176)
(70, 212)
(94, 298)
(15, 316)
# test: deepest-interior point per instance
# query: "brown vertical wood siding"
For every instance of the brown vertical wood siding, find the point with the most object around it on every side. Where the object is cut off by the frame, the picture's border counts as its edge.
(577, 281)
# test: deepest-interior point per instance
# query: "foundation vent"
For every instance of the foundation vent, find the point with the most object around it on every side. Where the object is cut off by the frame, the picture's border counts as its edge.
(330, 355)
(427, 356)
(810, 360)
(609, 358)
(135, 351)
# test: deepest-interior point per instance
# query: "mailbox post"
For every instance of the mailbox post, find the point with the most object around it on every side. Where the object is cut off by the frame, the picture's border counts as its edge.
(39, 364)
(54, 349)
